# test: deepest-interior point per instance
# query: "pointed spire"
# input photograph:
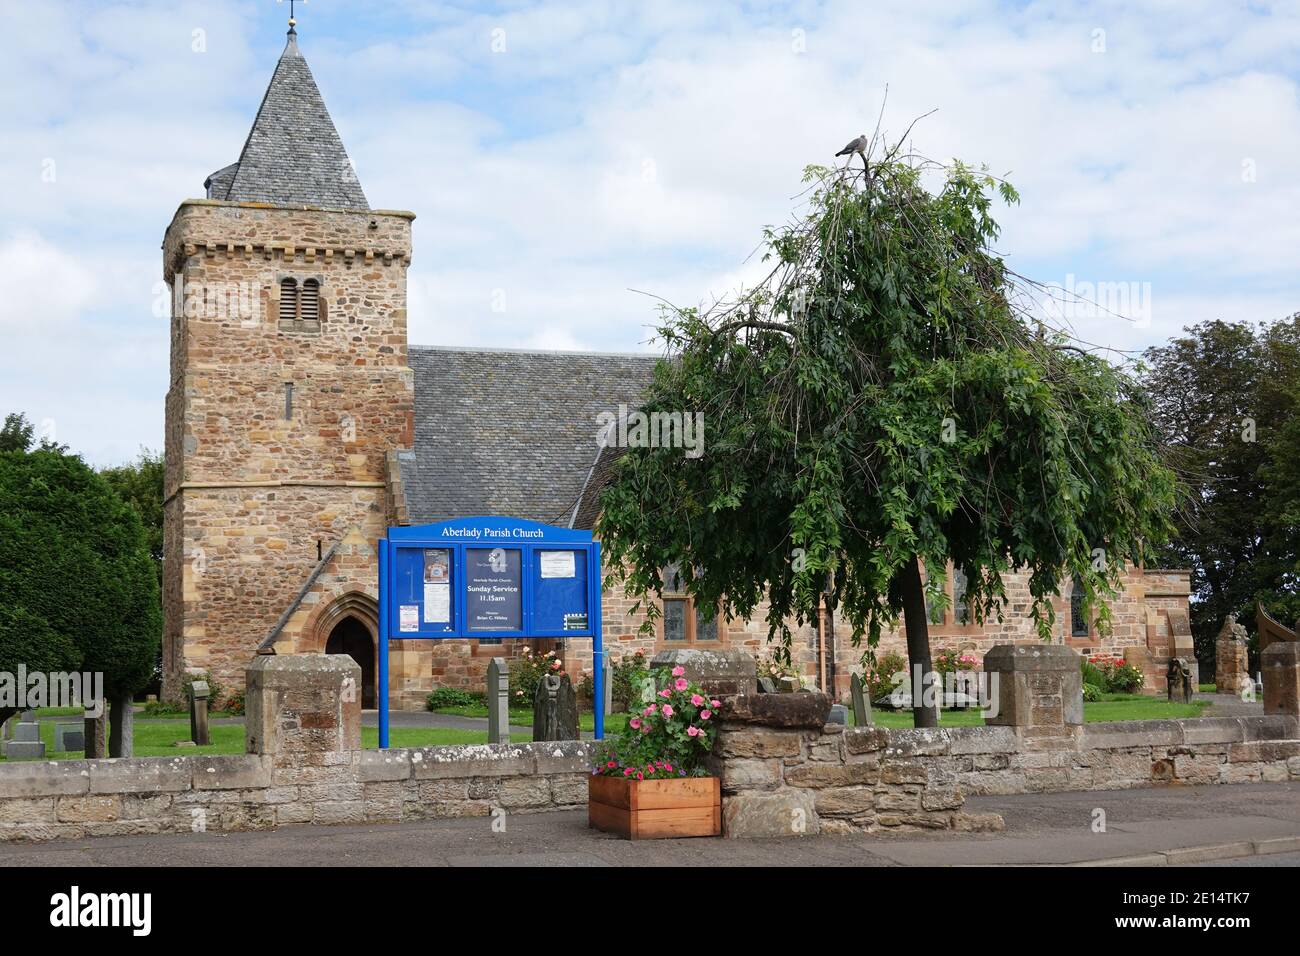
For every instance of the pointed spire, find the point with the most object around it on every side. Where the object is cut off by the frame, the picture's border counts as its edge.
(293, 155)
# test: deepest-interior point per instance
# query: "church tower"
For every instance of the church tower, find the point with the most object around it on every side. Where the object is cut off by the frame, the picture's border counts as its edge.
(289, 388)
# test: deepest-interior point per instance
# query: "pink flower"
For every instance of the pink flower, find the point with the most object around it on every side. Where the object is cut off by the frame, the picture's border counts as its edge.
(705, 714)
(635, 722)
(627, 772)
(693, 730)
(640, 776)
(649, 710)
(678, 671)
(681, 683)
(668, 710)
(665, 692)
(696, 700)
(645, 728)
(668, 767)
(715, 703)
(554, 664)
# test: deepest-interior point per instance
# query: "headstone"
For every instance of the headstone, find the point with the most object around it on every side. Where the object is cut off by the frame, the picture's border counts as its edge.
(1182, 643)
(839, 714)
(861, 703)
(555, 709)
(728, 670)
(26, 743)
(300, 703)
(199, 692)
(767, 686)
(96, 731)
(607, 685)
(1039, 688)
(1281, 678)
(788, 685)
(498, 700)
(69, 738)
(121, 733)
(1231, 670)
(1179, 680)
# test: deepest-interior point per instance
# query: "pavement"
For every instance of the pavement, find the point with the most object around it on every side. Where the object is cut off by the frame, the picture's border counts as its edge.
(1246, 824)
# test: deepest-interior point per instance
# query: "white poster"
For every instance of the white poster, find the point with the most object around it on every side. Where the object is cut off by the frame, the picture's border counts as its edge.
(437, 604)
(558, 564)
(408, 617)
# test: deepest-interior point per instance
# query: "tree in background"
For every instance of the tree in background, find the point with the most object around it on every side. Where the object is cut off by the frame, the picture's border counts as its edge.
(140, 485)
(78, 586)
(877, 404)
(1224, 400)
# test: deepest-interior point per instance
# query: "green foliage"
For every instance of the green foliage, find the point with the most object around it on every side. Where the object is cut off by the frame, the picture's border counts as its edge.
(1091, 673)
(668, 738)
(1091, 693)
(879, 675)
(627, 676)
(140, 485)
(1112, 675)
(451, 697)
(75, 571)
(1225, 402)
(877, 400)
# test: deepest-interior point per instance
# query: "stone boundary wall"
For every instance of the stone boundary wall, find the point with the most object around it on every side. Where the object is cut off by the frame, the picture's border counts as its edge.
(784, 775)
(81, 798)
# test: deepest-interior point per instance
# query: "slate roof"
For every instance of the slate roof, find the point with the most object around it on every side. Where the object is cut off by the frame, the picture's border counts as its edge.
(511, 432)
(293, 155)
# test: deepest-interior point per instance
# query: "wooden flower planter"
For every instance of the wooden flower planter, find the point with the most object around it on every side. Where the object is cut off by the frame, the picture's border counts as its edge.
(654, 809)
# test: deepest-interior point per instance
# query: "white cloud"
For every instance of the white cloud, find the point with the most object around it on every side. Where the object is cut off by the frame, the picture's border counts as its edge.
(615, 147)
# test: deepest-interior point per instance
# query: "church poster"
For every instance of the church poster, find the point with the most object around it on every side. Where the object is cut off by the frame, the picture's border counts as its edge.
(494, 589)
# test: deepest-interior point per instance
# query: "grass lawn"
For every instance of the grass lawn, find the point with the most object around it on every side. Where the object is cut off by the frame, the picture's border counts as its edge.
(523, 717)
(158, 738)
(1111, 707)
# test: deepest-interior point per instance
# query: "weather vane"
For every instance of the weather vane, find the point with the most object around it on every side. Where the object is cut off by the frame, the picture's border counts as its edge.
(292, 22)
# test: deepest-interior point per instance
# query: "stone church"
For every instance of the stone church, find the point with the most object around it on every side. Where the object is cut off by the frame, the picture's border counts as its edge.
(300, 424)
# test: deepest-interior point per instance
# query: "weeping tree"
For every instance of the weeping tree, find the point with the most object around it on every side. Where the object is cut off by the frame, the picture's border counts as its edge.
(886, 401)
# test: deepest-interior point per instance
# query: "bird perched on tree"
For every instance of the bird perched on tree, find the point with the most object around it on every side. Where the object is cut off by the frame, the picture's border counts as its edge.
(858, 146)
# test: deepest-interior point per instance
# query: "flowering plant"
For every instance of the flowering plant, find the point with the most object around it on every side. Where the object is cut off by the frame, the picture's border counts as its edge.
(668, 737)
(947, 662)
(527, 671)
(1119, 675)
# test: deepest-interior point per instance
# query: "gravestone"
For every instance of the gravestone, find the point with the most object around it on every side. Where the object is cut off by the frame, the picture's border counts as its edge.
(1231, 673)
(1179, 680)
(498, 700)
(26, 743)
(69, 738)
(861, 702)
(839, 714)
(199, 692)
(96, 732)
(728, 670)
(767, 686)
(121, 733)
(555, 709)
(1181, 642)
(788, 685)
(607, 684)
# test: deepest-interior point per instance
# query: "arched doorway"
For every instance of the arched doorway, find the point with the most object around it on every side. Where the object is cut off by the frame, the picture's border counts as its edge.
(350, 636)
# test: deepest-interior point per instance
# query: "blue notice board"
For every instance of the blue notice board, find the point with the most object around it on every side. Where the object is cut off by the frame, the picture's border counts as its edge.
(488, 577)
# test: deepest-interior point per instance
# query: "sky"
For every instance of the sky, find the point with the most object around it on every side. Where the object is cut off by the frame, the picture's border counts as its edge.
(568, 162)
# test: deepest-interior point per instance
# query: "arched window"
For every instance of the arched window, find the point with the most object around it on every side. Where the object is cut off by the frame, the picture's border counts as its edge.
(288, 300)
(311, 300)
